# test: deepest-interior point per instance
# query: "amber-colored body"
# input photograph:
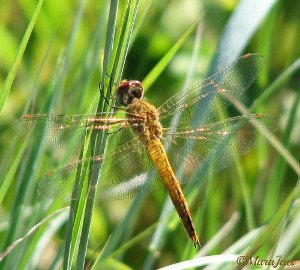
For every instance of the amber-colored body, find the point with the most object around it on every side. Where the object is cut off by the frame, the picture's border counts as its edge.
(150, 135)
(209, 141)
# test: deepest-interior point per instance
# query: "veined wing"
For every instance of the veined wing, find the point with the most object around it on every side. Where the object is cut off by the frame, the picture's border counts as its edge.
(210, 148)
(211, 95)
(128, 170)
(67, 130)
(124, 172)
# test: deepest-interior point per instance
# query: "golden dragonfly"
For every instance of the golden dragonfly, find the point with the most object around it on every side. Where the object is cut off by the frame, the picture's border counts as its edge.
(140, 143)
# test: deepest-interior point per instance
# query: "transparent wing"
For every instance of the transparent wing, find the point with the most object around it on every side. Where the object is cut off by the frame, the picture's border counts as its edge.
(128, 169)
(211, 96)
(124, 172)
(211, 148)
(66, 130)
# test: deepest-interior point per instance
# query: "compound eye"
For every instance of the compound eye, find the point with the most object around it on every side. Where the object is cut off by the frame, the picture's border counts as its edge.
(129, 91)
(123, 92)
(136, 89)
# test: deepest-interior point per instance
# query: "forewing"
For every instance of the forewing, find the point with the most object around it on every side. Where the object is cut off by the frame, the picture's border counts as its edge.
(65, 130)
(211, 148)
(210, 97)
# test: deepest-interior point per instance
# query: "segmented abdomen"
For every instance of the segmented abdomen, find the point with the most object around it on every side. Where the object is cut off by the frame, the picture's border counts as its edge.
(159, 157)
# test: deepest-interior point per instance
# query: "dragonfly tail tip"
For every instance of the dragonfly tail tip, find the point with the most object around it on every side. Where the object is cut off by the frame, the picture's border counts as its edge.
(197, 245)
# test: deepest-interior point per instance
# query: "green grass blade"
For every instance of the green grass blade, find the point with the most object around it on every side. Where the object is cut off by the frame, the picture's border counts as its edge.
(13, 71)
(123, 226)
(108, 48)
(291, 160)
(124, 39)
(39, 243)
(122, 249)
(98, 142)
(239, 29)
(277, 84)
(76, 208)
(162, 64)
(8, 178)
(29, 233)
(143, 17)
(271, 204)
(161, 231)
(95, 264)
(281, 214)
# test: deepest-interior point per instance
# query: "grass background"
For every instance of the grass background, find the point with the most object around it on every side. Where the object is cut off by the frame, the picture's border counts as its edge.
(56, 68)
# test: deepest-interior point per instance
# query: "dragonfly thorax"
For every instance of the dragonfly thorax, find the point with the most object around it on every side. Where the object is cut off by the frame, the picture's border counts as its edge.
(129, 91)
(150, 128)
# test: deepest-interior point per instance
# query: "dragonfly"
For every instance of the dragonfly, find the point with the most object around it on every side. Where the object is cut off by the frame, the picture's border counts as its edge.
(147, 149)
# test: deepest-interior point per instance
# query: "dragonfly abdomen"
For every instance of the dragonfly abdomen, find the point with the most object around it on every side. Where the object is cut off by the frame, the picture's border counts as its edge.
(159, 158)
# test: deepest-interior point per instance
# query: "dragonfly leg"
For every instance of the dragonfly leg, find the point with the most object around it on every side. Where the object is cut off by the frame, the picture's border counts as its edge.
(108, 133)
(106, 100)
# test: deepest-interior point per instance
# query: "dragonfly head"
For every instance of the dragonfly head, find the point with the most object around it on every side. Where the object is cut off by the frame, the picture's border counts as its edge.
(128, 91)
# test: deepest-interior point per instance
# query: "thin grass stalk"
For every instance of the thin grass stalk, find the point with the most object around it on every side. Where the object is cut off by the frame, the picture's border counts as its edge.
(97, 148)
(26, 183)
(68, 53)
(98, 140)
(267, 232)
(246, 196)
(13, 71)
(8, 177)
(277, 84)
(91, 60)
(121, 51)
(86, 78)
(271, 204)
(108, 49)
(291, 160)
(159, 236)
(27, 175)
(239, 29)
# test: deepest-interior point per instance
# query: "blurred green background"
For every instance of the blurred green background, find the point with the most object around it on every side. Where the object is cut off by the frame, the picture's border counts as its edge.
(59, 73)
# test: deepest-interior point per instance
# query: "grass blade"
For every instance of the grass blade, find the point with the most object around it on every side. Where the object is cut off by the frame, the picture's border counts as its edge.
(98, 141)
(162, 64)
(13, 71)
(238, 31)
